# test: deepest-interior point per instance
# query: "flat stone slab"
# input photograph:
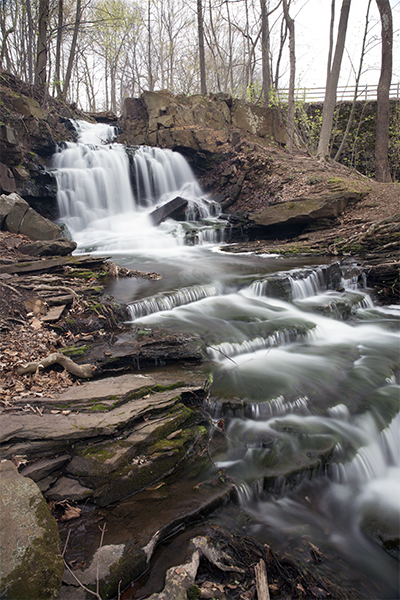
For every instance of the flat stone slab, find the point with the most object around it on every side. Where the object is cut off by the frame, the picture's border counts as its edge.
(86, 411)
(70, 489)
(40, 470)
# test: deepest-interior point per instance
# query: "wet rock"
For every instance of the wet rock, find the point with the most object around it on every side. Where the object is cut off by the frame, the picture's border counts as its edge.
(380, 520)
(35, 570)
(148, 349)
(167, 210)
(112, 568)
(179, 579)
(284, 466)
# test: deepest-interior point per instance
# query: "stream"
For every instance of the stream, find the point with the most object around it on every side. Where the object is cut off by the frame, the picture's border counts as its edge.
(305, 366)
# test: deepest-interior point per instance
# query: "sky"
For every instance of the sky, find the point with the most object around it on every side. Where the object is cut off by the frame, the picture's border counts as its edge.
(312, 21)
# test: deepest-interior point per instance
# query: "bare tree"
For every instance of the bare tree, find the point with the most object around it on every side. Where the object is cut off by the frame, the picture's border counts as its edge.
(200, 27)
(292, 58)
(57, 67)
(41, 56)
(30, 40)
(332, 82)
(151, 80)
(71, 59)
(382, 172)
(358, 76)
(265, 65)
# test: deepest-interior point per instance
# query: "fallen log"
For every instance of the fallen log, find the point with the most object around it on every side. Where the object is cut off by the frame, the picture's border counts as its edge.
(82, 371)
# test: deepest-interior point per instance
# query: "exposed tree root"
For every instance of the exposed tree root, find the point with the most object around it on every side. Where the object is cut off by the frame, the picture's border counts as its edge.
(82, 371)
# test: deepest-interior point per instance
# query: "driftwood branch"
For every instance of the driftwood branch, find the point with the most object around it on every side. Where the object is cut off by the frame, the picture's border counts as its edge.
(82, 371)
(261, 581)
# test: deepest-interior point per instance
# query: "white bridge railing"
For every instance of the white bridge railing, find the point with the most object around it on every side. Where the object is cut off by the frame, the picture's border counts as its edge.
(364, 92)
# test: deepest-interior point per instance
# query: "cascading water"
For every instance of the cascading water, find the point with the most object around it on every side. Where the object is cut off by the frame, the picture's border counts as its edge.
(305, 366)
(95, 192)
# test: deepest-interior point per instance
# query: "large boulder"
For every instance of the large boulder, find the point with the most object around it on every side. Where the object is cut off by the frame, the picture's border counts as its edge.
(60, 247)
(30, 548)
(328, 203)
(301, 211)
(16, 216)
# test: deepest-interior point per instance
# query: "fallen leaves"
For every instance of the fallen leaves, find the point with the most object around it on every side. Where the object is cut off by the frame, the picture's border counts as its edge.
(23, 344)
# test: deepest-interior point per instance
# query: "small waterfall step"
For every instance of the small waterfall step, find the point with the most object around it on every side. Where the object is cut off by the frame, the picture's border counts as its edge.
(168, 301)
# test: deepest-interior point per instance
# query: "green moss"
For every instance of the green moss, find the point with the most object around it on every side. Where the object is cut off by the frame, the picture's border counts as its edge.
(193, 592)
(39, 573)
(75, 351)
(100, 407)
(101, 452)
(82, 274)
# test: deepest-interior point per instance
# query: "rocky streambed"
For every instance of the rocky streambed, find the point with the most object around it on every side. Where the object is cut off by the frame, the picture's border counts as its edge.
(123, 456)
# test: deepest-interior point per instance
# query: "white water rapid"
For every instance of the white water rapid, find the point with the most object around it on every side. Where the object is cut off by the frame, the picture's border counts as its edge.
(305, 366)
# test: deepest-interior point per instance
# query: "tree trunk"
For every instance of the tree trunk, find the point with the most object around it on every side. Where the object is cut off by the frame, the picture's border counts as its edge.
(266, 73)
(30, 40)
(72, 56)
(151, 82)
(200, 26)
(41, 57)
(292, 56)
(382, 172)
(332, 82)
(57, 66)
(353, 106)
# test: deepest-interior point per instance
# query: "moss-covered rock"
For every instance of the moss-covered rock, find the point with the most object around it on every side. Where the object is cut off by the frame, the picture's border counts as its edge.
(30, 549)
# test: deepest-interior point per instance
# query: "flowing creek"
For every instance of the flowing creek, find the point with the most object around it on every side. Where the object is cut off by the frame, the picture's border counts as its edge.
(304, 365)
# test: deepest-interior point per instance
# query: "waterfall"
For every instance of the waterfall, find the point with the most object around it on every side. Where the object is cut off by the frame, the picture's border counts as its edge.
(169, 301)
(104, 187)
